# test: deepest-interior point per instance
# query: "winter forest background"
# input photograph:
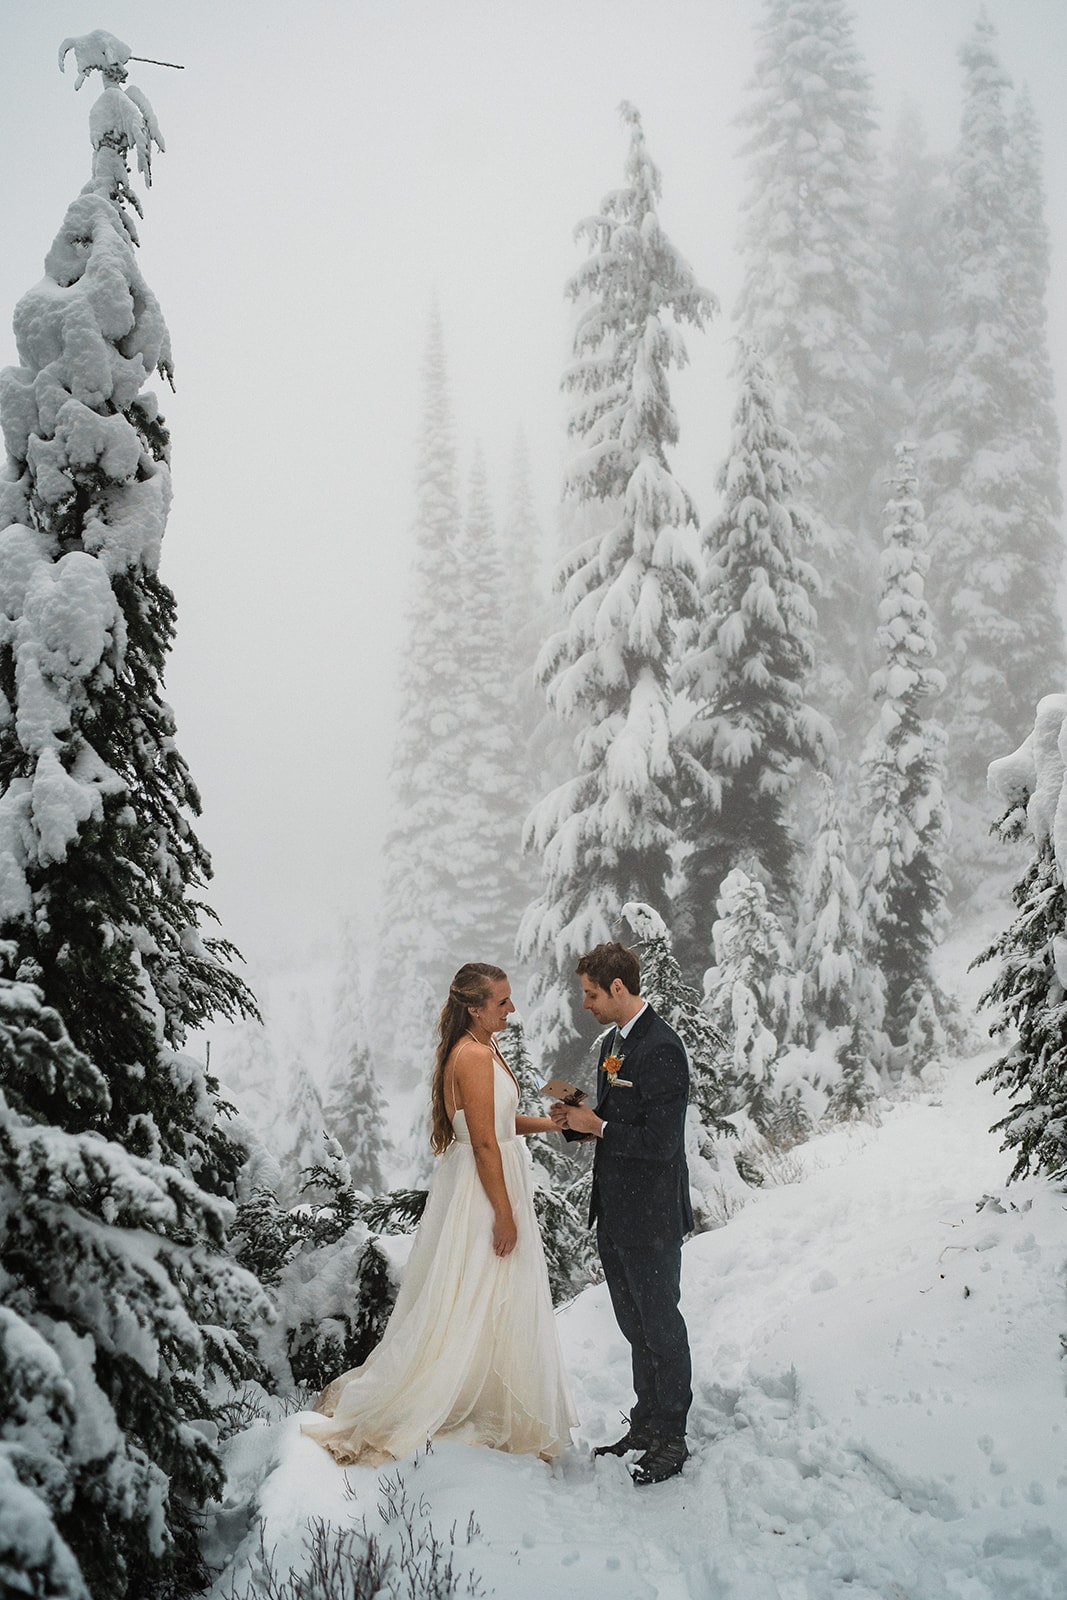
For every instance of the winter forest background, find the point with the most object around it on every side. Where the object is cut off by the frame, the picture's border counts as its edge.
(591, 520)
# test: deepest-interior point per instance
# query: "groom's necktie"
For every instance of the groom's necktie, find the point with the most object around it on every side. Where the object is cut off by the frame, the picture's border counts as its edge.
(612, 1050)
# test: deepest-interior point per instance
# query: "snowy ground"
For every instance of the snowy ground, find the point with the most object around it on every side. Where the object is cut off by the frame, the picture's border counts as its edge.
(880, 1403)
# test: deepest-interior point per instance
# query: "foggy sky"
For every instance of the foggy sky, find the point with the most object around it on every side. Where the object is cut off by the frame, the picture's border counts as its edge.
(330, 169)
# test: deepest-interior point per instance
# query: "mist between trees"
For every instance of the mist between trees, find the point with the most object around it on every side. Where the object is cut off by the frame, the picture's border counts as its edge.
(755, 745)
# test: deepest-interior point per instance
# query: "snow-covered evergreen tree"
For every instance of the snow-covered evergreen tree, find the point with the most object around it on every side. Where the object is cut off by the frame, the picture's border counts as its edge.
(526, 610)
(114, 1148)
(855, 1086)
(746, 671)
(711, 1088)
(492, 881)
(993, 496)
(753, 991)
(354, 1110)
(540, 741)
(903, 885)
(915, 256)
(100, 871)
(301, 1127)
(250, 1071)
(812, 291)
(119, 1305)
(327, 1275)
(829, 938)
(419, 950)
(1030, 990)
(1033, 394)
(606, 834)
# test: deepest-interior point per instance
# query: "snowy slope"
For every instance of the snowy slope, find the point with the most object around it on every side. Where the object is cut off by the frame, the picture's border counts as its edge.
(880, 1402)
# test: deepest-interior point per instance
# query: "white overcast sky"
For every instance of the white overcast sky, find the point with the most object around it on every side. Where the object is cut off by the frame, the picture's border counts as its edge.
(332, 167)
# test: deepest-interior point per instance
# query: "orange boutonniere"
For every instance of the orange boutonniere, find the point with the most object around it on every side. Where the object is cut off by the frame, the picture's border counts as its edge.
(611, 1065)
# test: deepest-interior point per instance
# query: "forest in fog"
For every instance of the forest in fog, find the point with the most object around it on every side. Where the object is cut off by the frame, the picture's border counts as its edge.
(782, 743)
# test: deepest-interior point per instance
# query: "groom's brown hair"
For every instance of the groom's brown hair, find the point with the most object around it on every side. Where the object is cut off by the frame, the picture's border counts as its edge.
(606, 962)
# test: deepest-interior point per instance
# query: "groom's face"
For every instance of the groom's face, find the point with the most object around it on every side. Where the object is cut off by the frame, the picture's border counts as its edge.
(601, 1002)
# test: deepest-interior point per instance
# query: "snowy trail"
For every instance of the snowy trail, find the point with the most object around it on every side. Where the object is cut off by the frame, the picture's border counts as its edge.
(879, 1406)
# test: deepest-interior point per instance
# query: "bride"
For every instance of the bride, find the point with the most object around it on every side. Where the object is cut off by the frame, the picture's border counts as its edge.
(471, 1351)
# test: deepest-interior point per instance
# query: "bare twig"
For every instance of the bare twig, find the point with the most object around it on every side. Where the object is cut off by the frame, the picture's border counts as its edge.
(177, 65)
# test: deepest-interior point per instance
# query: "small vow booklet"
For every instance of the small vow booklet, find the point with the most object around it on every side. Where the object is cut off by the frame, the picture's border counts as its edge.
(560, 1089)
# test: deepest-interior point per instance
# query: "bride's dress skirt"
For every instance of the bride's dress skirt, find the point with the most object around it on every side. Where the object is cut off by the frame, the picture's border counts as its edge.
(471, 1351)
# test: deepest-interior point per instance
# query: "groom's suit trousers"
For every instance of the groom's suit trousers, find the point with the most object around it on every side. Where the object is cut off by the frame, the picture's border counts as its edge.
(643, 1281)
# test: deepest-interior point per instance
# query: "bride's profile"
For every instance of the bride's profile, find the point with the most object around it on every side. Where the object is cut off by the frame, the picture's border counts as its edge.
(470, 1352)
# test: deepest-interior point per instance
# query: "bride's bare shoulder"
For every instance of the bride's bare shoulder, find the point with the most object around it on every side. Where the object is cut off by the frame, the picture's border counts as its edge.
(468, 1056)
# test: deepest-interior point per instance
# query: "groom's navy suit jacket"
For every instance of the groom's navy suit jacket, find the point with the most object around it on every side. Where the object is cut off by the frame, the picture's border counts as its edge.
(640, 1176)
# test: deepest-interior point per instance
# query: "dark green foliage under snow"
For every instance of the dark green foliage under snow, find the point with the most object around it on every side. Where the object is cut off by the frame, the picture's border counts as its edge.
(120, 1304)
(1030, 990)
(325, 1271)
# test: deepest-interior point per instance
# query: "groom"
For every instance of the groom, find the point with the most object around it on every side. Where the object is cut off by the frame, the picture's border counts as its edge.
(640, 1200)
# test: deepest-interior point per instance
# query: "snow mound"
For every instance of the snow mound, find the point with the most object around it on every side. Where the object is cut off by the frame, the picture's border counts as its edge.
(878, 1404)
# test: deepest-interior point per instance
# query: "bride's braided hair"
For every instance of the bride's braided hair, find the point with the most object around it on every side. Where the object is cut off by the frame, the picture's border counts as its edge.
(468, 990)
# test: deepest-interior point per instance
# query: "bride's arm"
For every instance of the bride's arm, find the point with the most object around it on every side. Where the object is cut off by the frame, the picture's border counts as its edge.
(525, 1125)
(474, 1075)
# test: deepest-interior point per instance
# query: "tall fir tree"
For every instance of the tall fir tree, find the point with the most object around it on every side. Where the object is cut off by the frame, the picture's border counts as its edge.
(100, 870)
(811, 296)
(492, 880)
(300, 1129)
(354, 1109)
(526, 608)
(746, 673)
(829, 939)
(120, 1302)
(538, 738)
(420, 950)
(1030, 989)
(992, 491)
(753, 991)
(903, 887)
(1033, 394)
(606, 834)
(915, 255)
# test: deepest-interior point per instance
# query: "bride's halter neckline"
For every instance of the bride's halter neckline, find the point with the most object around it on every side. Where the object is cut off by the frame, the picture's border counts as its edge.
(490, 1042)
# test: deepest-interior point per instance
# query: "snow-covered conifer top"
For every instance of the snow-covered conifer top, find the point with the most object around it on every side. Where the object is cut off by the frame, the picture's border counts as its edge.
(1035, 776)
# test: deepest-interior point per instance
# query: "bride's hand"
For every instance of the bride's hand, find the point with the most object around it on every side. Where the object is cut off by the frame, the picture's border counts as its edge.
(505, 1235)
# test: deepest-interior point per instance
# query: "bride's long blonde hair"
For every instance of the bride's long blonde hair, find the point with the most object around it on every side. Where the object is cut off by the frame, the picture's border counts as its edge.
(468, 990)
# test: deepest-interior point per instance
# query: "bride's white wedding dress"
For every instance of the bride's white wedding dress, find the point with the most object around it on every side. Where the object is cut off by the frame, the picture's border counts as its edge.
(471, 1351)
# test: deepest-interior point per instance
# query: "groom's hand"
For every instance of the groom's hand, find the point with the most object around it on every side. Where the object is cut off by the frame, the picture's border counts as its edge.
(579, 1119)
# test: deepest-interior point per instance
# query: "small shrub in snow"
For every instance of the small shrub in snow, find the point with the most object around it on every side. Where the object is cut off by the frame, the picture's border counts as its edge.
(406, 1559)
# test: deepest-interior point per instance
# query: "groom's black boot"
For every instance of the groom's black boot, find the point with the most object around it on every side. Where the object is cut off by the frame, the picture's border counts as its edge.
(635, 1438)
(663, 1459)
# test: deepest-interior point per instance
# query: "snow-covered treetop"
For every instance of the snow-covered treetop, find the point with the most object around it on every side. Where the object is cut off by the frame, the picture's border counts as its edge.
(98, 51)
(634, 290)
(644, 920)
(120, 120)
(1035, 776)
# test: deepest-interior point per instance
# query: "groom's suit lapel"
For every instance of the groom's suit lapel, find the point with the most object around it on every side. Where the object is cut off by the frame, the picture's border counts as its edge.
(613, 1041)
